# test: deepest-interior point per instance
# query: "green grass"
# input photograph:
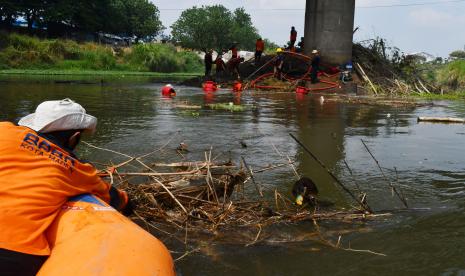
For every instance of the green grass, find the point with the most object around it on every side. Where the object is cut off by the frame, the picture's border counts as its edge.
(25, 53)
(445, 96)
(55, 72)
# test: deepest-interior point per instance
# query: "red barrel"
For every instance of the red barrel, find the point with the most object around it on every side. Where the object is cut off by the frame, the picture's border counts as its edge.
(209, 86)
(301, 90)
(168, 90)
(237, 86)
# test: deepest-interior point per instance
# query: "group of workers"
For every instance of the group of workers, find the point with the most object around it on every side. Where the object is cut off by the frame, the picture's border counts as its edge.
(39, 172)
(315, 58)
(232, 65)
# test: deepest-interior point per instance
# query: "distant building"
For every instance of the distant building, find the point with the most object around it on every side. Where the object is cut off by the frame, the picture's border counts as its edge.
(227, 56)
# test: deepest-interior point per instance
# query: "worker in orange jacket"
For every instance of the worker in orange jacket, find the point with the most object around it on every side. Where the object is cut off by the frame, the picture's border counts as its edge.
(38, 173)
(259, 48)
(293, 37)
(220, 65)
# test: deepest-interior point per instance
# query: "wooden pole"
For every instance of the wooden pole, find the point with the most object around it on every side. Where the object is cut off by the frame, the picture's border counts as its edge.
(259, 190)
(402, 199)
(441, 120)
(366, 78)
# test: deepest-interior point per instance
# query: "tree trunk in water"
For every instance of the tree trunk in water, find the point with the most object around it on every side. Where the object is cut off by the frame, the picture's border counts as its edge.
(441, 120)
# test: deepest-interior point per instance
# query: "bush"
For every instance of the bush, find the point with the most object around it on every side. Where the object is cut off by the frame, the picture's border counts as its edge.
(459, 54)
(25, 52)
(25, 43)
(3, 40)
(191, 62)
(98, 58)
(163, 58)
(66, 49)
(452, 75)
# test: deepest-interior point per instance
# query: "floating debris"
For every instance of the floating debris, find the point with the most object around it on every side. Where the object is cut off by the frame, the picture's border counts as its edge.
(227, 106)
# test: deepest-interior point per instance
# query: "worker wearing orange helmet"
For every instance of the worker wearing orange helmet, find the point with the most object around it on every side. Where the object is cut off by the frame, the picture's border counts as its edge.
(39, 171)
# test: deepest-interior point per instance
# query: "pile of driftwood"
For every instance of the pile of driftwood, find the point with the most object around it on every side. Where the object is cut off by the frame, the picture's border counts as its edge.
(386, 71)
(212, 197)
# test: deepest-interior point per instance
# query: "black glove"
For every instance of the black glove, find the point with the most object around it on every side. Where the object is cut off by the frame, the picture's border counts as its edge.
(129, 208)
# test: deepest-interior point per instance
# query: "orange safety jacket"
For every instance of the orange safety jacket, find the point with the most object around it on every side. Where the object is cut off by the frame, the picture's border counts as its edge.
(36, 178)
(293, 36)
(259, 45)
(234, 52)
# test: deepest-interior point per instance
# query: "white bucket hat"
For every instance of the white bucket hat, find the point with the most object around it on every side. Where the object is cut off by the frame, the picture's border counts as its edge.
(314, 51)
(59, 116)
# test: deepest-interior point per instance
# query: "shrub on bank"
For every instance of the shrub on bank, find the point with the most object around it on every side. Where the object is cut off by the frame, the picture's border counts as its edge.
(26, 52)
(452, 75)
(163, 58)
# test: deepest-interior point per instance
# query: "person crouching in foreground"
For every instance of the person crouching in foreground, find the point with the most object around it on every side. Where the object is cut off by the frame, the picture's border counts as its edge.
(38, 173)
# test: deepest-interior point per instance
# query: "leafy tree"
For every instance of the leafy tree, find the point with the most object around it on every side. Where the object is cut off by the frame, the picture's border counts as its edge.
(270, 47)
(204, 27)
(438, 60)
(9, 11)
(139, 18)
(33, 11)
(459, 54)
(214, 27)
(243, 31)
(93, 16)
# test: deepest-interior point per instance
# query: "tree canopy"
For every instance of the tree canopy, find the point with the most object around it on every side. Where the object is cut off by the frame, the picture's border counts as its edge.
(214, 27)
(138, 18)
(459, 54)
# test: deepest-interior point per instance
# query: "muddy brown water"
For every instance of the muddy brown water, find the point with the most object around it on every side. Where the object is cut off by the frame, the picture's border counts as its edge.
(429, 159)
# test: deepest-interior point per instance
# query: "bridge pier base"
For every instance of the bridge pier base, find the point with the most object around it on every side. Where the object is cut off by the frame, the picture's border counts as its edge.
(329, 26)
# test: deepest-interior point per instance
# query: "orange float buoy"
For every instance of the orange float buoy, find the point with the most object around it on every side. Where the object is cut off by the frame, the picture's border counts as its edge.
(301, 90)
(209, 86)
(168, 90)
(237, 86)
(88, 237)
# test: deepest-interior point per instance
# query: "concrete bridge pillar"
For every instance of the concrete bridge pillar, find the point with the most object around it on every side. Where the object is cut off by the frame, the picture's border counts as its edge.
(329, 26)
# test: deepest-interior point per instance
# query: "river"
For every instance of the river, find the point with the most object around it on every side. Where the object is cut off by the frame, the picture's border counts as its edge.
(429, 159)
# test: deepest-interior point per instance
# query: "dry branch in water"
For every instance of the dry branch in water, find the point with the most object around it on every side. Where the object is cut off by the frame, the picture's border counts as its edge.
(207, 197)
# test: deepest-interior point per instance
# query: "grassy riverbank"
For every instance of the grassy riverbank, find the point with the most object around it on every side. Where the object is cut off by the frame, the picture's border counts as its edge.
(54, 72)
(30, 55)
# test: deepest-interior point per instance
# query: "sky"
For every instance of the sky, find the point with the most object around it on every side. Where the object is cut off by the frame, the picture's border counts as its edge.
(433, 26)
